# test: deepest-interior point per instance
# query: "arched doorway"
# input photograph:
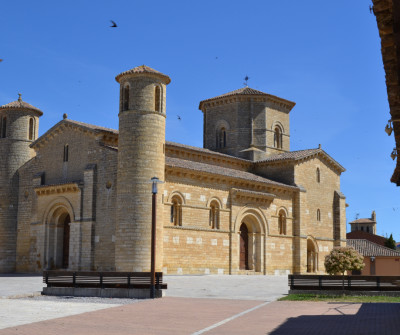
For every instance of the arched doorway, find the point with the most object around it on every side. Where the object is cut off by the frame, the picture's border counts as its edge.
(312, 256)
(244, 247)
(58, 236)
(250, 227)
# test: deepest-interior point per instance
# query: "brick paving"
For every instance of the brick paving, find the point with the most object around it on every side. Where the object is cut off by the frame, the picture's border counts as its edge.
(197, 316)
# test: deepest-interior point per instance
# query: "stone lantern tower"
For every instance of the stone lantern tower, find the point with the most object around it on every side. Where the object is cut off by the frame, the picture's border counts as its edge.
(19, 123)
(141, 156)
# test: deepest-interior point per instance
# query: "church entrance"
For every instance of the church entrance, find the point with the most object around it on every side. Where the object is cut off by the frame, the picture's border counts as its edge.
(65, 253)
(244, 247)
(57, 236)
(312, 256)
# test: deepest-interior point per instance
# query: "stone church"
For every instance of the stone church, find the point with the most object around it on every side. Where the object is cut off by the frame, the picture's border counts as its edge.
(79, 197)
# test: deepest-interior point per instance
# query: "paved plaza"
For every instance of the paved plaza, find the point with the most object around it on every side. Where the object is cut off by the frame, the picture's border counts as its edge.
(194, 305)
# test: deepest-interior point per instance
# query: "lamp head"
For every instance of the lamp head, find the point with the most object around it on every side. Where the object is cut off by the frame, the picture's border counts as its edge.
(388, 129)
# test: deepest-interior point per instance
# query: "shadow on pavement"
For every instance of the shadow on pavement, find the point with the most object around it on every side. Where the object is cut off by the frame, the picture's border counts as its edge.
(371, 318)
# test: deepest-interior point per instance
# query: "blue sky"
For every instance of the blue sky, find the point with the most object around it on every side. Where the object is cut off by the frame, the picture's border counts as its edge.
(63, 57)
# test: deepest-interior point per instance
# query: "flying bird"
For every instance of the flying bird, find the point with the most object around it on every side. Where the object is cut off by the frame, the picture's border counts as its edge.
(114, 25)
(371, 9)
(179, 118)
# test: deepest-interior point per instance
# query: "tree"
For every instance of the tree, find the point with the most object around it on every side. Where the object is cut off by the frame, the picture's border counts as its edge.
(342, 259)
(390, 243)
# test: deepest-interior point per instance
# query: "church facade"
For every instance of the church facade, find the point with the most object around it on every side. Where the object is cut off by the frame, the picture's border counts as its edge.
(79, 196)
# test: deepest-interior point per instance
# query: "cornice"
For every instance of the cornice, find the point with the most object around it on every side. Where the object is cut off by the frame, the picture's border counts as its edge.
(172, 150)
(253, 196)
(224, 100)
(206, 177)
(197, 229)
(57, 189)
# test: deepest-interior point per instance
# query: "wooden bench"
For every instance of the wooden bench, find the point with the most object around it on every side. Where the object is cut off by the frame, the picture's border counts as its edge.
(351, 283)
(91, 279)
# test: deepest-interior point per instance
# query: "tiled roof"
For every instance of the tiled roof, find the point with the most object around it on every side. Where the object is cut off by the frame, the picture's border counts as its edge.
(248, 91)
(143, 69)
(292, 155)
(388, 20)
(218, 170)
(19, 104)
(362, 221)
(298, 155)
(363, 235)
(91, 126)
(370, 249)
(206, 151)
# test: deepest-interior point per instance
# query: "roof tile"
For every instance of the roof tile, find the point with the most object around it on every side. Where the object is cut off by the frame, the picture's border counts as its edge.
(143, 69)
(19, 104)
(219, 170)
(370, 249)
(247, 91)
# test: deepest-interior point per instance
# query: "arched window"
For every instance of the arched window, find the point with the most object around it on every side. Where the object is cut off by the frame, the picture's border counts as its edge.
(318, 175)
(318, 215)
(31, 130)
(125, 98)
(282, 223)
(214, 215)
(3, 129)
(278, 137)
(176, 211)
(157, 99)
(221, 138)
(66, 149)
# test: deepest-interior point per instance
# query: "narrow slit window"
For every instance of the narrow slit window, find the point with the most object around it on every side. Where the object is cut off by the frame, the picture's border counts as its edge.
(214, 215)
(318, 215)
(66, 153)
(282, 223)
(318, 175)
(3, 127)
(278, 138)
(157, 99)
(126, 98)
(31, 130)
(221, 138)
(176, 211)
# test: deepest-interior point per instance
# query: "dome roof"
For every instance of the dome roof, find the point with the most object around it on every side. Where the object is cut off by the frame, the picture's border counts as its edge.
(21, 105)
(143, 69)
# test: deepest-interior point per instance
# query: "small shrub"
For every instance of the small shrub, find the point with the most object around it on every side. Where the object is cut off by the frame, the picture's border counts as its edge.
(342, 259)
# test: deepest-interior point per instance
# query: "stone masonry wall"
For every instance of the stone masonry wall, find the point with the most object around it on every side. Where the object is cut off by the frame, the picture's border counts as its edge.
(196, 248)
(317, 196)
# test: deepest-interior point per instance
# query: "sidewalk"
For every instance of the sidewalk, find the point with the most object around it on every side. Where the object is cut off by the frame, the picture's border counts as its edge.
(175, 316)
(194, 305)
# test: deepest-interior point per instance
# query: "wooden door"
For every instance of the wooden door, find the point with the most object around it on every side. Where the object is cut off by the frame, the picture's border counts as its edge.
(244, 247)
(372, 266)
(65, 260)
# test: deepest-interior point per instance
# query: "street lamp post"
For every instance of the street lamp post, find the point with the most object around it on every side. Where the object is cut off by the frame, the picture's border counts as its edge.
(154, 180)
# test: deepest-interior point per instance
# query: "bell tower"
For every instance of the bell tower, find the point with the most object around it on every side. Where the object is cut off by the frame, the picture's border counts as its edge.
(247, 123)
(141, 147)
(19, 123)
